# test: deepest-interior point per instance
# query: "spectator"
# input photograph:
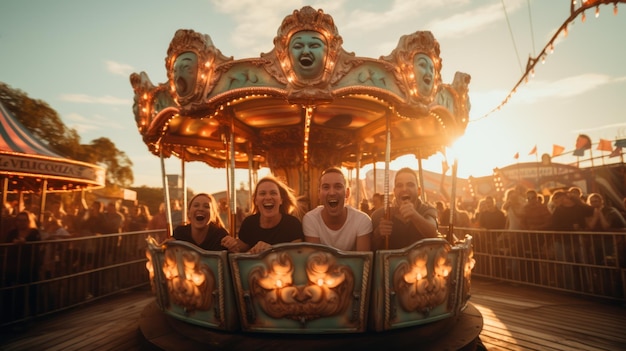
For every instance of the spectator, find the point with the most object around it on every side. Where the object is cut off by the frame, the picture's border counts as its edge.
(514, 207)
(159, 220)
(604, 218)
(536, 215)
(491, 217)
(365, 207)
(555, 200)
(139, 219)
(177, 213)
(461, 218)
(571, 214)
(94, 221)
(26, 261)
(114, 218)
(377, 202)
(223, 211)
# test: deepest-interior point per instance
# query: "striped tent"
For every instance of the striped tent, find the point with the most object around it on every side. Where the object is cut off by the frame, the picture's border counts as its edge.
(28, 164)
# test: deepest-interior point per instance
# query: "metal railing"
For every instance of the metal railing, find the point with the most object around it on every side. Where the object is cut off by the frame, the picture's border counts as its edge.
(40, 278)
(586, 263)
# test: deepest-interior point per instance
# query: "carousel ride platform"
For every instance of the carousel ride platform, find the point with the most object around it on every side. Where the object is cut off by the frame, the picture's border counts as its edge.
(168, 333)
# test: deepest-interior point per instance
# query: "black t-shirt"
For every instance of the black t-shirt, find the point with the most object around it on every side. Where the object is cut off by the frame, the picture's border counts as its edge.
(404, 234)
(212, 241)
(571, 217)
(288, 229)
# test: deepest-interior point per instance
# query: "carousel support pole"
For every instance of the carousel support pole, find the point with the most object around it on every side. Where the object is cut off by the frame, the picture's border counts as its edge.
(306, 179)
(421, 174)
(42, 200)
(166, 194)
(594, 185)
(374, 170)
(228, 197)
(358, 178)
(250, 170)
(386, 176)
(233, 225)
(182, 169)
(5, 190)
(450, 236)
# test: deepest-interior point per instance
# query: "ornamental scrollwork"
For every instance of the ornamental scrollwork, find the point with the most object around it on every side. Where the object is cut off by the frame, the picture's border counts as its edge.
(327, 292)
(421, 285)
(190, 282)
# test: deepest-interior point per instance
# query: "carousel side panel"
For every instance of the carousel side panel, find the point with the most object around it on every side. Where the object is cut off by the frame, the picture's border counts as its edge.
(464, 274)
(415, 285)
(194, 285)
(302, 288)
(154, 254)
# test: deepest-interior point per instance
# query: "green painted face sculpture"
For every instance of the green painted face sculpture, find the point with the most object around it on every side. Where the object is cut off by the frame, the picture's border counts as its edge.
(424, 69)
(185, 72)
(308, 51)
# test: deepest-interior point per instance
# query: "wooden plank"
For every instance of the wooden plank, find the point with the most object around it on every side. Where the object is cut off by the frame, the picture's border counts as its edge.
(514, 318)
(530, 318)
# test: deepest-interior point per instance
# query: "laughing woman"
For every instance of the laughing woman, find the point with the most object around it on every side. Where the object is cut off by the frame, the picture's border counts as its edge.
(272, 220)
(205, 228)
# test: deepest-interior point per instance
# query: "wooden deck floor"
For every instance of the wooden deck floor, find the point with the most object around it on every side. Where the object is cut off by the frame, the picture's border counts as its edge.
(514, 317)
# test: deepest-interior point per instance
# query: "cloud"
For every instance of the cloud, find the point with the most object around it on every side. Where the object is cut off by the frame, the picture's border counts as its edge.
(80, 123)
(536, 91)
(119, 69)
(255, 22)
(85, 125)
(472, 21)
(86, 99)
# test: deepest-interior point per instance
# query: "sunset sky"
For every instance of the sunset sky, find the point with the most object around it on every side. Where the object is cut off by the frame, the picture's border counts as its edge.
(77, 56)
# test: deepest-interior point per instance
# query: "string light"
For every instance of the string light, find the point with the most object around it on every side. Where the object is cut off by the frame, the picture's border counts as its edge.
(530, 67)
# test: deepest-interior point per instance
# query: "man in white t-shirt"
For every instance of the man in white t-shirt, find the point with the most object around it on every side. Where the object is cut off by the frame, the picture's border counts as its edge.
(333, 223)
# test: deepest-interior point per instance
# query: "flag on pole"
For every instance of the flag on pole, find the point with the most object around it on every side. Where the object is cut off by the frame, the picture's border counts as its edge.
(604, 145)
(557, 150)
(533, 151)
(583, 142)
(616, 152)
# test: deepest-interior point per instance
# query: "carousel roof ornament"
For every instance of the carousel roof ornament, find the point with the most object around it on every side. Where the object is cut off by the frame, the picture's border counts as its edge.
(303, 106)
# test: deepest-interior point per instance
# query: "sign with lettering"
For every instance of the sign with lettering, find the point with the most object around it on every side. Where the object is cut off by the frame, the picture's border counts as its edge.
(32, 165)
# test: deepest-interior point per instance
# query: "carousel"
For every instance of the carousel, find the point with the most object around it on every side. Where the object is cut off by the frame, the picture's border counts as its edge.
(302, 107)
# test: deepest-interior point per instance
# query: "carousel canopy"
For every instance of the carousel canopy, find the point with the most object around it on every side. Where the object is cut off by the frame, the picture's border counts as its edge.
(27, 164)
(305, 105)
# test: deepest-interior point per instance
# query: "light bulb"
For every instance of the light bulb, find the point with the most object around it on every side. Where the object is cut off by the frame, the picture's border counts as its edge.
(597, 11)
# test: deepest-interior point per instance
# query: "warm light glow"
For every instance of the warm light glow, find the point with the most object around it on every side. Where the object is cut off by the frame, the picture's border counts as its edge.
(597, 11)
(197, 279)
(279, 283)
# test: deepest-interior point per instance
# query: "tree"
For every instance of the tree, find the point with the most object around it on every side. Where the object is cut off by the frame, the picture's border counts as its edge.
(41, 120)
(118, 166)
(44, 123)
